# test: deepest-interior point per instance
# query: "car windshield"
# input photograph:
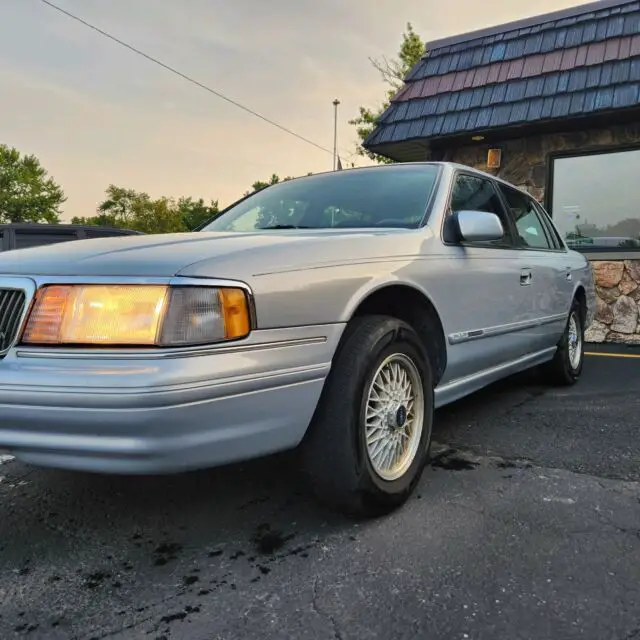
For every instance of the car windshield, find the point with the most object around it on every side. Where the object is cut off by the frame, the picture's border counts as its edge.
(393, 196)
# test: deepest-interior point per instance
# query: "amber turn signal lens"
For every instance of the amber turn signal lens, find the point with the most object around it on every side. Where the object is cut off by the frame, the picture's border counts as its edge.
(235, 312)
(96, 315)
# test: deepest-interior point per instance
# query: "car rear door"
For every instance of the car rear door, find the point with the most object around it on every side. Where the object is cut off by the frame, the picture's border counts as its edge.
(548, 290)
(483, 304)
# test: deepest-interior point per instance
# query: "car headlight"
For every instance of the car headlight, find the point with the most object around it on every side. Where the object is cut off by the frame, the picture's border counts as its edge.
(140, 315)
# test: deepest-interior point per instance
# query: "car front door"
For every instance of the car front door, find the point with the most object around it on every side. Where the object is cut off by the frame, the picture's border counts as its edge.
(548, 291)
(483, 299)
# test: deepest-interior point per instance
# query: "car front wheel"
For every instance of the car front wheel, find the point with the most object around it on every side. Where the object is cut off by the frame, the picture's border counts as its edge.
(368, 442)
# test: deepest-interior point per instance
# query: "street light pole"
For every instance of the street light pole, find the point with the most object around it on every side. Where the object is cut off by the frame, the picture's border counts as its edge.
(336, 102)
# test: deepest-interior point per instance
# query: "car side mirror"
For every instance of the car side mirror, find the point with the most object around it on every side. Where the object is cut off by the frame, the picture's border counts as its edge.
(473, 226)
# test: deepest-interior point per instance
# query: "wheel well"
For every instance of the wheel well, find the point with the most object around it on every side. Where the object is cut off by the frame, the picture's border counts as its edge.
(581, 298)
(411, 306)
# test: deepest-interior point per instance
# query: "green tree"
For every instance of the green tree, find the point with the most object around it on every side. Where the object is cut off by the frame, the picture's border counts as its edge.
(274, 179)
(393, 73)
(194, 213)
(101, 220)
(136, 210)
(27, 194)
(258, 185)
(122, 204)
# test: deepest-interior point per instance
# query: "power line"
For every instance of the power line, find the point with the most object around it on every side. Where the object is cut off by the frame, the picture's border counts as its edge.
(184, 76)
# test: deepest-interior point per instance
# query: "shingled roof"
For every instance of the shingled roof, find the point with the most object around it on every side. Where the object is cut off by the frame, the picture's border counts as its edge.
(563, 65)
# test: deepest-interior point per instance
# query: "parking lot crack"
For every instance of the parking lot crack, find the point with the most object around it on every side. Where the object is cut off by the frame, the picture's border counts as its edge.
(337, 634)
(532, 395)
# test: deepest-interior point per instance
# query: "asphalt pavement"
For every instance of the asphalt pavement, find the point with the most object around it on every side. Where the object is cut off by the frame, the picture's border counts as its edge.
(526, 525)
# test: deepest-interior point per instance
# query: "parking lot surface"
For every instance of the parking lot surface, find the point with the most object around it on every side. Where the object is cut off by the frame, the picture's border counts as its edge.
(525, 525)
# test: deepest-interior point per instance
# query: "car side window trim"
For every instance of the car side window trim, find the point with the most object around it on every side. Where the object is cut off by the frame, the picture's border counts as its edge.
(509, 228)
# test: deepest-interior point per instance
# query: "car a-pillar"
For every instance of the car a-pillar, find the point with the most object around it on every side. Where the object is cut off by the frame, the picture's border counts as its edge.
(368, 442)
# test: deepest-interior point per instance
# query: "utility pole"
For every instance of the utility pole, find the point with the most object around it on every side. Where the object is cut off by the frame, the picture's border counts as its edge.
(336, 102)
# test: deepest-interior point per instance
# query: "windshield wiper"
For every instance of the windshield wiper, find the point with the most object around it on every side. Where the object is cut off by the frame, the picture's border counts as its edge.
(283, 226)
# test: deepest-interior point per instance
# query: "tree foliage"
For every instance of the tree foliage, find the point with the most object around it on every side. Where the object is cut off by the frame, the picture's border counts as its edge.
(136, 210)
(274, 179)
(258, 185)
(27, 193)
(194, 213)
(393, 73)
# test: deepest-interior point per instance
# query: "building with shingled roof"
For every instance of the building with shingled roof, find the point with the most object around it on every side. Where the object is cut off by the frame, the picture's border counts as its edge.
(551, 104)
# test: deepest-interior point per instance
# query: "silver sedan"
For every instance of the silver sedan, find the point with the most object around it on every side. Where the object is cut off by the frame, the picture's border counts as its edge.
(332, 313)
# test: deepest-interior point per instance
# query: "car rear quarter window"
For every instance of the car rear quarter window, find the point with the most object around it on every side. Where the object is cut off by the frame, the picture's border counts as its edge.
(532, 232)
(25, 239)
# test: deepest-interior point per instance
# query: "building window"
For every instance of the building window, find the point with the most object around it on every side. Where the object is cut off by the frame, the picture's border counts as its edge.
(595, 200)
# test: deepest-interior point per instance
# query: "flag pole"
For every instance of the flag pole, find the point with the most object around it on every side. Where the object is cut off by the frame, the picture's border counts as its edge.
(336, 102)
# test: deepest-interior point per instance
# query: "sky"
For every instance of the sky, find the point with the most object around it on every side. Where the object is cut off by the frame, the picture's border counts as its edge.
(96, 113)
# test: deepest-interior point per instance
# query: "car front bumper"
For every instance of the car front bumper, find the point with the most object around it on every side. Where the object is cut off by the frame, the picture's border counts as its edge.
(160, 412)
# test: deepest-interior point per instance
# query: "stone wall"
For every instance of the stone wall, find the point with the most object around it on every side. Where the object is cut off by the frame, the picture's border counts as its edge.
(618, 302)
(524, 160)
(524, 163)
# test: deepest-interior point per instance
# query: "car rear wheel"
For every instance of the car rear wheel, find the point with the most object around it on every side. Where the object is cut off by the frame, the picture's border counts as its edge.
(368, 442)
(566, 366)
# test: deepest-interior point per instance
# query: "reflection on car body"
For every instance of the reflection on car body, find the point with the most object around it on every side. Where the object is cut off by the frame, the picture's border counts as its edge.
(332, 313)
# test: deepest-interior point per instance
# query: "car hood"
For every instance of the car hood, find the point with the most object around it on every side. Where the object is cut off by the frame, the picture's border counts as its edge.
(213, 254)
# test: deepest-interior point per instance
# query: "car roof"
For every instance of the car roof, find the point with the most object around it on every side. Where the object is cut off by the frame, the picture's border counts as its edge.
(394, 165)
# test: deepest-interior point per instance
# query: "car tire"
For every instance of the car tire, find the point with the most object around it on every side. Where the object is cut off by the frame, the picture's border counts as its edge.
(346, 470)
(566, 366)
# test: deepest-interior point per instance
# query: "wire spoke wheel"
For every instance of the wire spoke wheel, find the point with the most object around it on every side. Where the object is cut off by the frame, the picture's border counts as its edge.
(368, 444)
(394, 416)
(574, 341)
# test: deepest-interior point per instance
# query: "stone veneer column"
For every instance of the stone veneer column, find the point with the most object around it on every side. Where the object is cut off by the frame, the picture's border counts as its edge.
(617, 303)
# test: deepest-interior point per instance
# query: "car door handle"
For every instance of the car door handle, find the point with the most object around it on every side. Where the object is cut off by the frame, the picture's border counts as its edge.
(525, 277)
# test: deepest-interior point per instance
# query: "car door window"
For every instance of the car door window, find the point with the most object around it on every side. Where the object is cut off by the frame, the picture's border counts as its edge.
(472, 193)
(530, 228)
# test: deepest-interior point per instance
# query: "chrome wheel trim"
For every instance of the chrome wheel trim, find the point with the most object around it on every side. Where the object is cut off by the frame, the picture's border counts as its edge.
(394, 416)
(574, 341)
